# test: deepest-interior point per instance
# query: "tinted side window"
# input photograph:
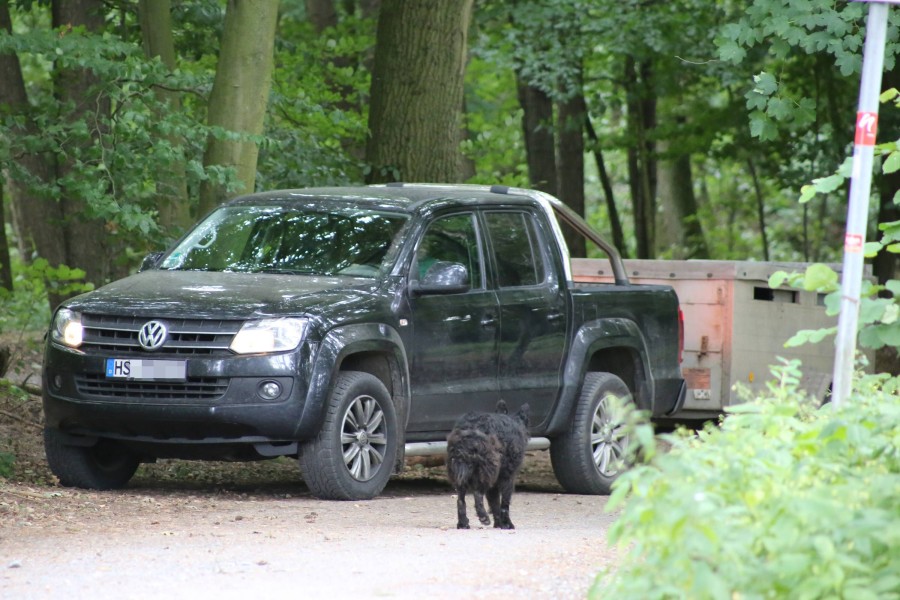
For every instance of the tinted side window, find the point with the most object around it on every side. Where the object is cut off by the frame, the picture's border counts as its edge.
(451, 239)
(519, 260)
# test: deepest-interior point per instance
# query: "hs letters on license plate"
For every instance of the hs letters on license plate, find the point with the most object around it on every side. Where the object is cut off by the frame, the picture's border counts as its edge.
(131, 368)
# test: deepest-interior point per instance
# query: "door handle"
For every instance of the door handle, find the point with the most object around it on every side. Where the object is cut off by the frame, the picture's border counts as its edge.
(554, 316)
(459, 319)
(488, 322)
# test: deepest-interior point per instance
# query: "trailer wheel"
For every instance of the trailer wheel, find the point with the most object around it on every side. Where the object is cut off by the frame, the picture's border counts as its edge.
(589, 457)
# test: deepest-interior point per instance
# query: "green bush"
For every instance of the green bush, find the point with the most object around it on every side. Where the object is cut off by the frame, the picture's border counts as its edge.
(781, 500)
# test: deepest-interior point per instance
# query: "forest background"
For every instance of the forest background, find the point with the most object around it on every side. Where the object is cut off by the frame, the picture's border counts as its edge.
(681, 129)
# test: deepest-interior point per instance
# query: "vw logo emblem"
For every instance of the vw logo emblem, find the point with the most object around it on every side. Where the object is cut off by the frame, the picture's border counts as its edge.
(152, 335)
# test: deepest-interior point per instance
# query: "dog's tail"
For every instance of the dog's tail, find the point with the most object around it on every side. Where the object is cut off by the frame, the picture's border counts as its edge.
(459, 472)
(523, 413)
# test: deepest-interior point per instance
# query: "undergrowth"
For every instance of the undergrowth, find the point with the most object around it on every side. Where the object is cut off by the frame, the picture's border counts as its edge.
(781, 499)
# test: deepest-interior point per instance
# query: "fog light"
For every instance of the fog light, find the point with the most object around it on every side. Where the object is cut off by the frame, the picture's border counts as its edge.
(57, 382)
(270, 390)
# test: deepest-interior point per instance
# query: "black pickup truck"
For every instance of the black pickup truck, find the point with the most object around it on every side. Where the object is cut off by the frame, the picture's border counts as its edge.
(350, 327)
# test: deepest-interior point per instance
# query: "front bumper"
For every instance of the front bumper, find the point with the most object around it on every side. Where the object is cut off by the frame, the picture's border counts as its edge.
(220, 402)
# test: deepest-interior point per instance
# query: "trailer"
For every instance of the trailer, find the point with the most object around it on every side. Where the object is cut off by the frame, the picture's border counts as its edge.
(735, 326)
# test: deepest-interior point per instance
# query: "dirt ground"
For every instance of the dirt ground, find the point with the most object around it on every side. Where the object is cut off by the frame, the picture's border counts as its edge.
(186, 529)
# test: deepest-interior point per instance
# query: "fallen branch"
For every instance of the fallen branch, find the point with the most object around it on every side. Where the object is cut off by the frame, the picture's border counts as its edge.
(34, 390)
(15, 417)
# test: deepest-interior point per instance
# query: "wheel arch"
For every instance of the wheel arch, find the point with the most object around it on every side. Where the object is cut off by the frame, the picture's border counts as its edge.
(613, 346)
(372, 348)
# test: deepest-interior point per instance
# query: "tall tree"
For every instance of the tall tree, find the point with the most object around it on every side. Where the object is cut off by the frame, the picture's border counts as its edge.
(571, 119)
(239, 97)
(38, 222)
(641, 102)
(6, 280)
(156, 31)
(76, 88)
(417, 91)
(538, 133)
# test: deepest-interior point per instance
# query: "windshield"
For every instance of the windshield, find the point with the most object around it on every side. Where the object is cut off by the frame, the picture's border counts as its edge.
(265, 239)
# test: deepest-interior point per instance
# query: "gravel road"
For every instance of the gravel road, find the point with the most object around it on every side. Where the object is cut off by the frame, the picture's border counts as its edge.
(171, 539)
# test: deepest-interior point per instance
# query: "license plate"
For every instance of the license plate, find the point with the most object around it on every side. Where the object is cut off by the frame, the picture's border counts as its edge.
(146, 369)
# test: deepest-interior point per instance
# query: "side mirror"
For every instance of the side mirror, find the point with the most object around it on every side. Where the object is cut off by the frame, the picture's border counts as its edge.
(150, 261)
(442, 278)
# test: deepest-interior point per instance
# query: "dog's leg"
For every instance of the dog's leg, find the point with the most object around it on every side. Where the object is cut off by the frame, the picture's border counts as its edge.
(479, 508)
(506, 491)
(462, 521)
(493, 498)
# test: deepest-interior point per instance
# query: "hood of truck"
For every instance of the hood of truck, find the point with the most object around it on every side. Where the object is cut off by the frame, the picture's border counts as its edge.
(201, 294)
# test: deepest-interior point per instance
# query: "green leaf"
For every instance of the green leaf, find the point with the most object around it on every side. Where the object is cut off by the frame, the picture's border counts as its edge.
(819, 277)
(891, 313)
(871, 249)
(871, 310)
(809, 336)
(892, 163)
(807, 193)
(828, 184)
(731, 52)
(766, 84)
(777, 278)
(888, 95)
(890, 334)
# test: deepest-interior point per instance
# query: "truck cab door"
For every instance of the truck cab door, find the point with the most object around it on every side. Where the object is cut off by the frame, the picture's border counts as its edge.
(455, 333)
(533, 312)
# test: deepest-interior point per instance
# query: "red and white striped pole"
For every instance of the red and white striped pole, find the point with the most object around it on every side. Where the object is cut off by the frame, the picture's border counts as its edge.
(860, 190)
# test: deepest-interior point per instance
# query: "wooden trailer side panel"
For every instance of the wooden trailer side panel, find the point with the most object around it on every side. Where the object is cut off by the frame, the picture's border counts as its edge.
(735, 325)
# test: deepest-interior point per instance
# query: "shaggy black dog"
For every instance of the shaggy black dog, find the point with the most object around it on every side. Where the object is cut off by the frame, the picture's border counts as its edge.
(484, 453)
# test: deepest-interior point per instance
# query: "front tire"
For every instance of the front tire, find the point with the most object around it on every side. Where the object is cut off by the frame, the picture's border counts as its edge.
(354, 453)
(105, 466)
(590, 456)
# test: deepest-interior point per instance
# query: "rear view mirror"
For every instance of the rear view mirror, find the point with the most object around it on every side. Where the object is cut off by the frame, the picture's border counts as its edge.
(442, 278)
(150, 261)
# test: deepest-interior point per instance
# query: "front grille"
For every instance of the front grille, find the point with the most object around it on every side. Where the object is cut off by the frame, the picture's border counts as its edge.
(195, 389)
(104, 334)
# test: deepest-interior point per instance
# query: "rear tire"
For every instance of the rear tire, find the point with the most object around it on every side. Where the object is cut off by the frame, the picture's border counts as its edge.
(590, 456)
(355, 451)
(105, 466)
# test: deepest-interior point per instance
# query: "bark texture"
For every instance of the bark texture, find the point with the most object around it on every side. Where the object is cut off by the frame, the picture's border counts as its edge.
(540, 145)
(417, 91)
(156, 32)
(240, 94)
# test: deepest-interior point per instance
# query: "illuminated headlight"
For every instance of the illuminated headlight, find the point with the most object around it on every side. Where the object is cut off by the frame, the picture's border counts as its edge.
(67, 329)
(269, 335)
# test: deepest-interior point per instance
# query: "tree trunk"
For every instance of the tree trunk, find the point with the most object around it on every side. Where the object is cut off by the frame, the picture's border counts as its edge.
(760, 208)
(641, 102)
(6, 281)
(37, 218)
(240, 94)
(570, 162)
(537, 128)
(417, 90)
(88, 245)
(156, 30)
(680, 230)
(321, 14)
(615, 223)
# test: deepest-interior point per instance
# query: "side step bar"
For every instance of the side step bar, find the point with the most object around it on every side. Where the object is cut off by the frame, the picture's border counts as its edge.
(440, 448)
